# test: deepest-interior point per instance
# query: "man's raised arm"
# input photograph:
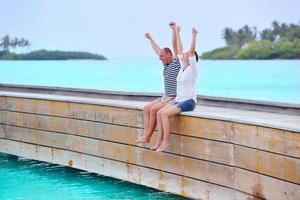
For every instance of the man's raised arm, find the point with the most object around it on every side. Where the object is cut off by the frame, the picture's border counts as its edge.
(174, 39)
(155, 46)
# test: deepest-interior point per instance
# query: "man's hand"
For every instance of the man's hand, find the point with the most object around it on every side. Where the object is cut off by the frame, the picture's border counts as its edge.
(172, 25)
(178, 28)
(148, 36)
(194, 31)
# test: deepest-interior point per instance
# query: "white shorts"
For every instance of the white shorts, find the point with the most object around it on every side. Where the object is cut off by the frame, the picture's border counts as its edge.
(167, 99)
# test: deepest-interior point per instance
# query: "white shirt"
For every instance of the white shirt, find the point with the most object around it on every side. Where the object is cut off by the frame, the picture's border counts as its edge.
(186, 81)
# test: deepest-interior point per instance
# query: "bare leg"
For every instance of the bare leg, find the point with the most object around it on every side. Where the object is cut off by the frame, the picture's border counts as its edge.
(160, 128)
(150, 122)
(165, 115)
(146, 113)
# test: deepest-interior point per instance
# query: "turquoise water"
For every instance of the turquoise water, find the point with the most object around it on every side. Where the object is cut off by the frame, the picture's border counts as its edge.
(275, 80)
(23, 179)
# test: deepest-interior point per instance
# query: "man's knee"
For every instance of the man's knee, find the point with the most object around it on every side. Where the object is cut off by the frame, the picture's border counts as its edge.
(155, 108)
(146, 108)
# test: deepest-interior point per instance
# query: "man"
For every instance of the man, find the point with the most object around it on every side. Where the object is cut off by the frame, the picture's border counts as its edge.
(171, 68)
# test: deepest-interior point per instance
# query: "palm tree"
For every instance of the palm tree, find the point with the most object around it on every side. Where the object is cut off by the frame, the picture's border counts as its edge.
(230, 36)
(267, 34)
(240, 38)
(277, 31)
(293, 32)
(6, 43)
(245, 35)
(255, 32)
(284, 29)
(249, 34)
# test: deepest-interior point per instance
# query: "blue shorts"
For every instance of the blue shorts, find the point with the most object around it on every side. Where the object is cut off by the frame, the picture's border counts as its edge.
(188, 105)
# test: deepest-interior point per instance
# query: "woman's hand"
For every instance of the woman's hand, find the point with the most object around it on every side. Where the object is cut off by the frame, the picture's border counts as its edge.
(148, 36)
(194, 31)
(172, 25)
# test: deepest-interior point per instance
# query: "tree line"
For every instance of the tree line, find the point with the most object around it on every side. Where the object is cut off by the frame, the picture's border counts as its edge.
(281, 41)
(6, 43)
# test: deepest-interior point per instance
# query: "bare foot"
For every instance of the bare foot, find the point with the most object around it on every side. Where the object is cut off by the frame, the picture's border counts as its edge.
(163, 147)
(155, 147)
(142, 140)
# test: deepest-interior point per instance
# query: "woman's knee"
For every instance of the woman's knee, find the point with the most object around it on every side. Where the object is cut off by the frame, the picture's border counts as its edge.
(158, 114)
(169, 112)
(164, 114)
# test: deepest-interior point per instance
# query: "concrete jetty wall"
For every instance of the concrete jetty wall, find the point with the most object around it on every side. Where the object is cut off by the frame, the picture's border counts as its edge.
(209, 158)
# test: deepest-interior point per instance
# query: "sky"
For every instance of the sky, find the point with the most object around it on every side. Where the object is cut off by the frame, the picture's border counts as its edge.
(116, 28)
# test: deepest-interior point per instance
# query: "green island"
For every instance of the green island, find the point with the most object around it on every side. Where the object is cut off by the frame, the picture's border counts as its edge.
(281, 41)
(6, 43)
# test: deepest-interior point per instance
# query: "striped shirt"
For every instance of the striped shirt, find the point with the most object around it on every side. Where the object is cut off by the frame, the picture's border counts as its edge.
(170, 75)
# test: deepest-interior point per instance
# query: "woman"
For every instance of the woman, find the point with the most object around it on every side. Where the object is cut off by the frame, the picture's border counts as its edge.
(186, 98)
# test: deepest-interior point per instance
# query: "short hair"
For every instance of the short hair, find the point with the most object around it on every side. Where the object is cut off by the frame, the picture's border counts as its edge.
(168, 50)
(196, 55)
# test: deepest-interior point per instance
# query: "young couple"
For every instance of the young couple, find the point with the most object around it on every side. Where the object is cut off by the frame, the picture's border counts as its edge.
(180, 75)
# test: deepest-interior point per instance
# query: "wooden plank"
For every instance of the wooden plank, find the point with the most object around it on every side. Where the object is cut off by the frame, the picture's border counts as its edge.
(207, 149)
(271, 164)
(107, 114)
(264, 186)
(205, 128)
(206, 191)
(268, 139)
(73, 126)
(207, 171)
(3, 117)
(292, 142)
(3, 131)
